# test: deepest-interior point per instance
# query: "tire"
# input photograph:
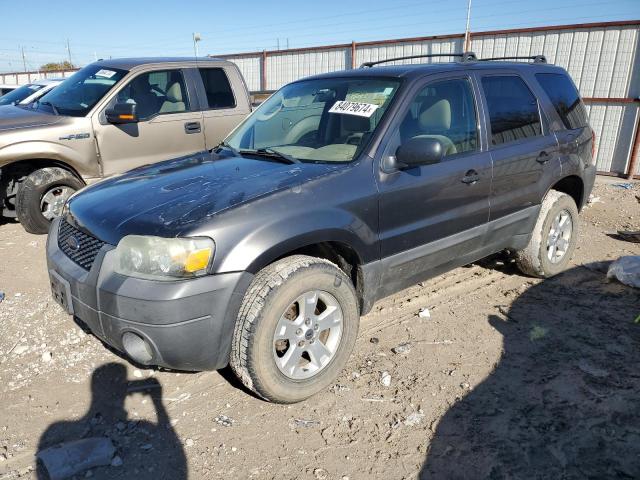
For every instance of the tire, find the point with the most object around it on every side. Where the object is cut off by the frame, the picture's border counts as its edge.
(38, 187)
(273, 292)
(535, 259)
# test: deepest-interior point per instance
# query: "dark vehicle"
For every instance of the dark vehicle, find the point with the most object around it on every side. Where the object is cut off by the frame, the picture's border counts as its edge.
(338, 190)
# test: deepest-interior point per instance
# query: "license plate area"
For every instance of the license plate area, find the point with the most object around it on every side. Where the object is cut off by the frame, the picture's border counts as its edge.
(61, 291)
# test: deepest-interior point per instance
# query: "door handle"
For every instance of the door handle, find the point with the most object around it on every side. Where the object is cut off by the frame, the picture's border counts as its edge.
(192, 127)
(470, 177)
(544, 157)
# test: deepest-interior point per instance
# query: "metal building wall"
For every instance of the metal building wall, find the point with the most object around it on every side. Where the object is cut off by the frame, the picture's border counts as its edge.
(602, 58)
(23, 78)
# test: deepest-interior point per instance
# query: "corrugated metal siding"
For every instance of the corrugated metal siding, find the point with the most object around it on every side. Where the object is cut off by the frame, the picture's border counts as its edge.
(283, 68)
(20, 78)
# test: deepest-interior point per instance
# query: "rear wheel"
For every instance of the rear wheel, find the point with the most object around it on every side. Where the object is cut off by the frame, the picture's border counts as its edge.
(296, 328)
(42, 195)
(553, 239)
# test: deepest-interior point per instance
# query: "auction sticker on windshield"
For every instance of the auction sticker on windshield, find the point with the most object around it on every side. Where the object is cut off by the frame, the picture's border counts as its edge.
(354, 108)
(105, 73)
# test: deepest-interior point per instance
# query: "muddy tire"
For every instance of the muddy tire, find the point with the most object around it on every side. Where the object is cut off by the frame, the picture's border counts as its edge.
(41, 197)
(554, 237)
(296, 329)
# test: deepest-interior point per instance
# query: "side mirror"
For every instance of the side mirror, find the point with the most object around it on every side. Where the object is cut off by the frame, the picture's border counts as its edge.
(122, 113)
(419, 151)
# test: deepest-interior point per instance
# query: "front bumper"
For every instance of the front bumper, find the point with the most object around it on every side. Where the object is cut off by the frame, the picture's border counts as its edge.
(187, 324)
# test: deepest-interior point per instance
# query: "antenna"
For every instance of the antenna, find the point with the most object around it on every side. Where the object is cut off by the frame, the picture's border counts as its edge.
(196, 39)
(467, 33)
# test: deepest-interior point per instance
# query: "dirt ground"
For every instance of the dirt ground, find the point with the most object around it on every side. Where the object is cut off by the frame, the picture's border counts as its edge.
(510, 377)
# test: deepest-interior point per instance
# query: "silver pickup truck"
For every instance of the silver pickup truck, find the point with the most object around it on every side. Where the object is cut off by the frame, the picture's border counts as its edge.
(109, 117)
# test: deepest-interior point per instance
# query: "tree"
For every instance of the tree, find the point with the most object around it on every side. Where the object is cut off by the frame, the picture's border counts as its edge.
(55, 66)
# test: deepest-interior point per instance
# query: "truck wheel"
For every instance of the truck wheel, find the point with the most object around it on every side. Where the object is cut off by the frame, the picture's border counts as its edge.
(295, 330)
(554, 237)
(41, 197)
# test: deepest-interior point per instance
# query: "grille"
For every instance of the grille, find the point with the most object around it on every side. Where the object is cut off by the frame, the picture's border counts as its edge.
(88, 245)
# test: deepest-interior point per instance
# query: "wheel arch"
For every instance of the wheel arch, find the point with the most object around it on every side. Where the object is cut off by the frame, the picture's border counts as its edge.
(573, 186)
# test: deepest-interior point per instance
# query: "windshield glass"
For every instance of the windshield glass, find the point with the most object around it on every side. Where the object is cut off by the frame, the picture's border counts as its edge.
(20, 94)
(81, 91)
(327, 120)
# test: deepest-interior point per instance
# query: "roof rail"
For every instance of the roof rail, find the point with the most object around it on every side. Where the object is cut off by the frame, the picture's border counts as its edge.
(535, 58)
(464, 57)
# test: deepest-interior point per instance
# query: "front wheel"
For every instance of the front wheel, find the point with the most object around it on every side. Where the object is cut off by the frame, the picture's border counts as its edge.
(41, 197)
(553, 239)
(295, 330)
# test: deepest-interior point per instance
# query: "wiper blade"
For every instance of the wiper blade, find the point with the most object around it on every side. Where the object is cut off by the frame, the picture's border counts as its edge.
(53, 107)
(271, 153)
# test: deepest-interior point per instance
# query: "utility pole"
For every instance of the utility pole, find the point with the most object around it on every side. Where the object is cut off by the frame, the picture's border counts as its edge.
(467, 33)
(278, 42)
(24, 60)
(69, 53)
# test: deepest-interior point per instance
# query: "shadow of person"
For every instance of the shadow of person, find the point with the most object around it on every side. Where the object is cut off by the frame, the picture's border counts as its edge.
(563, 402)
(143, 449)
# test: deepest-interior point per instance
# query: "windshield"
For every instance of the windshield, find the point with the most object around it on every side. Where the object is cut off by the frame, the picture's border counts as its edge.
(81, 91)
(328, 120)
(20, 94)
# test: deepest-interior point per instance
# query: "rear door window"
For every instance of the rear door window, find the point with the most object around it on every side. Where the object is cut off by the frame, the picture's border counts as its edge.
(217, 88)
(513, 109)
(565, 98)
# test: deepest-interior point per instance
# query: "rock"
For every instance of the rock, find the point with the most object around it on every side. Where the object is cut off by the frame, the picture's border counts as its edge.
(89, 474)
(17, 295)
(465, 385)
(1, 296)
(189, 442)
(70, 458)
(20, 349)
(321, 474)
(46, 357)
(424, 313)
(224, 420)
(385, 379)
(402, 348)
(414, 419)
(117, 461)
(137, 373)
(374, 340)
(146, 447)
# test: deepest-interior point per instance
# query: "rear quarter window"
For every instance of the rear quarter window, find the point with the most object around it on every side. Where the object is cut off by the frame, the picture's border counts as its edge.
(565, 98)
(217, 87)
(513, 109)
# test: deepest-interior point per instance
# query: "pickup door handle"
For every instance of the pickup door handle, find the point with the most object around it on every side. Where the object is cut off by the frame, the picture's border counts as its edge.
(192, 127)
(470, 177)
(544, 157)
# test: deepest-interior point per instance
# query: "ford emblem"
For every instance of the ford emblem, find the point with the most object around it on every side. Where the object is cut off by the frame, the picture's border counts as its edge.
(73, 243)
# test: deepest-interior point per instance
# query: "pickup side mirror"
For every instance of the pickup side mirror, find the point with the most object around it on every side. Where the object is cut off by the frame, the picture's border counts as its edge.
(122, 113)
(419, 151)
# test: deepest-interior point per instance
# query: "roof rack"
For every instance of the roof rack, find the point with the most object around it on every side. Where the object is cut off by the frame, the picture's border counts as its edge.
(535, 58)
(464, 57)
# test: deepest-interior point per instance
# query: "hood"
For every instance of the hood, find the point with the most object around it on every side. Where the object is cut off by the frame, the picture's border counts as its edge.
(170, 198)
(12, 117)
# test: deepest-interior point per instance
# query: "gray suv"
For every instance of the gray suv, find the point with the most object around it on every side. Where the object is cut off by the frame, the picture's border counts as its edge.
(109, 117)
(337, 191)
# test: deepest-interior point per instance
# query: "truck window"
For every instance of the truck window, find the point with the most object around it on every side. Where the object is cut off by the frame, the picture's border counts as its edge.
(156, 93)
(565, 98)
(513, 109)
(218, 88)
(446, 111)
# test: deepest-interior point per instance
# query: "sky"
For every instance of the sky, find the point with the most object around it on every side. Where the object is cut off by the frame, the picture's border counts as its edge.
(126, 28)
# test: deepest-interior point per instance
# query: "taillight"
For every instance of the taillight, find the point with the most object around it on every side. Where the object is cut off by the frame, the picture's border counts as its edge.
(593, 146)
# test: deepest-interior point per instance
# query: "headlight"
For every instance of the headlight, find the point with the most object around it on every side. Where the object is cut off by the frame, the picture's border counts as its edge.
(157, 258)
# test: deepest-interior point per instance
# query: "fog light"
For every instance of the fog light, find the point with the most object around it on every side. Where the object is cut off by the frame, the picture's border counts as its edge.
(137, 348)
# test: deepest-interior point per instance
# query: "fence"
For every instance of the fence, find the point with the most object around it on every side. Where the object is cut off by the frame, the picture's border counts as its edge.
(603, 59)
(23, 78)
